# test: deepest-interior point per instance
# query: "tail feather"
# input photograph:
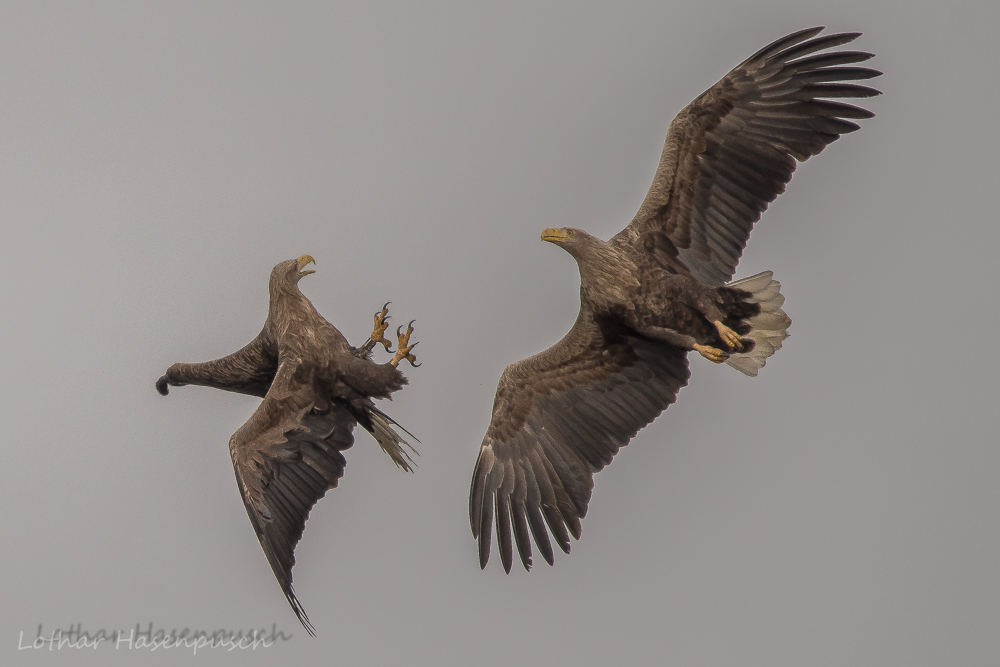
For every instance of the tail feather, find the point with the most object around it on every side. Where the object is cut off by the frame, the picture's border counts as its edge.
(389, 440)
(769, 327)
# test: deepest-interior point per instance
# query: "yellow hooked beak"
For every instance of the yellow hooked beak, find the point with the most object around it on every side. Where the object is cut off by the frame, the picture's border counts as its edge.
(552, 234)
(303, 261)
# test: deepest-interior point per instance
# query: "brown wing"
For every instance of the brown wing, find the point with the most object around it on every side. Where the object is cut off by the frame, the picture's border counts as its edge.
(286, 456)
(729, 153)
(249, 370)
(559, 417)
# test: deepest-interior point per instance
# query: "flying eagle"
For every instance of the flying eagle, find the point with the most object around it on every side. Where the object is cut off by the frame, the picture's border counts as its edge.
(315, 387)
(658, 289)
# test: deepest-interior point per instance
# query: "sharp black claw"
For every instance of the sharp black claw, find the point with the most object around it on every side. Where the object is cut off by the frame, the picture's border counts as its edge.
(399, 331)
(410, 324)
(415, 365)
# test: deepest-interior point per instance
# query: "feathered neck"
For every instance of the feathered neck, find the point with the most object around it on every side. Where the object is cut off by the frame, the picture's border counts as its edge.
(286, 305)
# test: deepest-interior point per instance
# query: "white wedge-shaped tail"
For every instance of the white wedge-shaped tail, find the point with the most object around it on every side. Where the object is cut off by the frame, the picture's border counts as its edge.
(770, 326)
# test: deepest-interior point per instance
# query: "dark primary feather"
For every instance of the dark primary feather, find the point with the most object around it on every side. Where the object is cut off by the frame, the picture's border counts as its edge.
(316, 387)
(559, 417)
(286, 457)
(731, 151)
(563, 414)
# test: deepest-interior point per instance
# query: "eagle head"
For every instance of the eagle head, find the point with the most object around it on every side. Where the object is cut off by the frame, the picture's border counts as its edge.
(574, 241)
(288, 273)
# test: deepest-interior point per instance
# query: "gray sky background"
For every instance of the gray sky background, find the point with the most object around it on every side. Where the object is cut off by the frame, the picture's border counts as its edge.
(158, 159)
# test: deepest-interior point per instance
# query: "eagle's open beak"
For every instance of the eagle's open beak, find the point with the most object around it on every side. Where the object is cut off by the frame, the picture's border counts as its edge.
(303, 261)
(553, 234)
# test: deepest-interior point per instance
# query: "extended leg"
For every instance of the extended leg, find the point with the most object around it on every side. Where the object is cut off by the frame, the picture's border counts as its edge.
(403, 347)
(686, 342)
(376, 337)
(706, 301)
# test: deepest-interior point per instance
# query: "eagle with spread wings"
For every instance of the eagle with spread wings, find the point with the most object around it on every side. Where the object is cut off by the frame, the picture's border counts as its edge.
(658, 289)
(315, 387)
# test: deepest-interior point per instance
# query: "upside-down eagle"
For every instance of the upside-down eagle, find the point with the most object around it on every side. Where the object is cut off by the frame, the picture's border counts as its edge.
(658, 289)
(315, 387)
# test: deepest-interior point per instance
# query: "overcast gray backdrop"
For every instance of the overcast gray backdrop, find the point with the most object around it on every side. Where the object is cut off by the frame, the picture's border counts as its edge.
(156, 159)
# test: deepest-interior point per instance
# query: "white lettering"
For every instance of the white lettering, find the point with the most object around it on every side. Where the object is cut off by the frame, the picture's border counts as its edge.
(262, 642)
(131, 633)
(202, 642)
(151, 639)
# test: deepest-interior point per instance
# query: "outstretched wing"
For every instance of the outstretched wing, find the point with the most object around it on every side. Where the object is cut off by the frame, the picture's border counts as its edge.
(731, 151)
(559, 417)
(286, 456)
(249, 370)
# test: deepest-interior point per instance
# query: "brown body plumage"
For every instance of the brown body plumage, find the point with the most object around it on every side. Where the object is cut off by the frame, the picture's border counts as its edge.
(658, 290)
(315, 387)
(623, 286)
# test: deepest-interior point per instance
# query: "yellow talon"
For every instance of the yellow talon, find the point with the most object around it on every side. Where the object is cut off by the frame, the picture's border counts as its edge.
(713, 354)
(381, 324)
(729, 337)
(403, 347)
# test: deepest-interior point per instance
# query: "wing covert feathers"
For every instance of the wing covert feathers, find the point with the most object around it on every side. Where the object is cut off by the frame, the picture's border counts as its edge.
(731, 151)
(286, 457)
(562, 415)
(558, 418)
